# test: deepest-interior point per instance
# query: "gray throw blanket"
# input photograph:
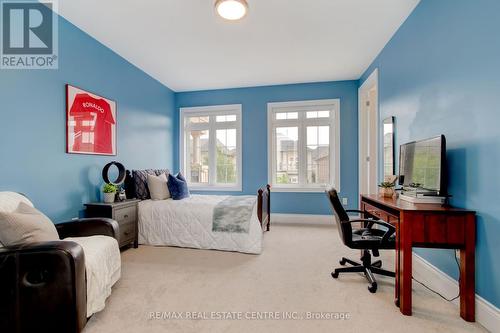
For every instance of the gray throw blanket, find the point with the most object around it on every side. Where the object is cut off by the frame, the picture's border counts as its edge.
(233, 214)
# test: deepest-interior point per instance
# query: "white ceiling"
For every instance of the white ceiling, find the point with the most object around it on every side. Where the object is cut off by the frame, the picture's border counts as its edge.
(184, 45)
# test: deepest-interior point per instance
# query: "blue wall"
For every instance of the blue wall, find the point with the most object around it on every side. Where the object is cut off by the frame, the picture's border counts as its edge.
(254, 102)
(32, 124)
(440, 73)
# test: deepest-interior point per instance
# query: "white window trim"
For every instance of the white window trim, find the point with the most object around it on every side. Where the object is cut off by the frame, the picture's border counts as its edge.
(333, 105)
(214, 110)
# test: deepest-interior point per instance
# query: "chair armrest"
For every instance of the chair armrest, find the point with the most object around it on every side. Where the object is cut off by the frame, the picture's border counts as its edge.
(364, 213)
(390, 228)
(42, 287)
(379, 222)
(88, 227)
(71, 248)
(355, 211)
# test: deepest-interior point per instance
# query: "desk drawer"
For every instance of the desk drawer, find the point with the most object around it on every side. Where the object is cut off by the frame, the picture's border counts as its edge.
(381, 214)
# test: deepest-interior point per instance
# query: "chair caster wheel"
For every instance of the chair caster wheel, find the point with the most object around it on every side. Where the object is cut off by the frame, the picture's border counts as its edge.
(396, 302)
(343, 262)
(373, 288)
(335, 275)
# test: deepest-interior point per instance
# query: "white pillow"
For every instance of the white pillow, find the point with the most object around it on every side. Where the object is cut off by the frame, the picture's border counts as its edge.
(26, 225)
(158, 187)
(9, 201)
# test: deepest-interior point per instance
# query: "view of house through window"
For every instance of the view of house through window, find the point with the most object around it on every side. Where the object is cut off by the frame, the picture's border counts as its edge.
(304, 153)
(198, 156)
(226, 156)
(318, 154)
(287, 159)
(211, 146)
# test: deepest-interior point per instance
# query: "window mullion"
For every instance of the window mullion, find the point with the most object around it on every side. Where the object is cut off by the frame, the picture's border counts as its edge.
(302, 150)
(226, 125)
(333, 156)
(212, 156)
(187, 157)
(335, 147)
(274, 152)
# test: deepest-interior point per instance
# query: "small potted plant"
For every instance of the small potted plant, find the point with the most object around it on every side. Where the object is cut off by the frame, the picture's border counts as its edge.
(109, 193)
(386, 189)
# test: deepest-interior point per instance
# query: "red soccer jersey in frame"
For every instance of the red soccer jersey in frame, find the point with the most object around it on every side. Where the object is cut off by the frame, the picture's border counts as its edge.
(91, 123)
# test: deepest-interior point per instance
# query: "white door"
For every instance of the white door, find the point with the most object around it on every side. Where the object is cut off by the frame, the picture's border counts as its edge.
(368, 135)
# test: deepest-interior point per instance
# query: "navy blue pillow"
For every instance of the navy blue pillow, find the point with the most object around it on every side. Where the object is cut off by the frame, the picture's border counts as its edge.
(181, 177)
(178, 187)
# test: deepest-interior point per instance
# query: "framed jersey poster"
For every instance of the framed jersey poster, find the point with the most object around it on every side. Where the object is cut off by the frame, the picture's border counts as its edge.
(90, 123)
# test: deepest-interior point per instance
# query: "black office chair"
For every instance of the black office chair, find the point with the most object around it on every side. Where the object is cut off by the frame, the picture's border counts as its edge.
(366, 239)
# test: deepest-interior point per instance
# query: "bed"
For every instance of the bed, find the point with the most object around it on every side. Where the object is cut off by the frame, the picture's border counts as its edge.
(190, 222)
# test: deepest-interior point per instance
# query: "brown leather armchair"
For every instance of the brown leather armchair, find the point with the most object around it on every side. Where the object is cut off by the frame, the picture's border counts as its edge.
(43, 285)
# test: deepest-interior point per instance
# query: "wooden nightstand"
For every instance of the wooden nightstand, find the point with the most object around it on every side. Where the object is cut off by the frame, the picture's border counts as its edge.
(123, 212)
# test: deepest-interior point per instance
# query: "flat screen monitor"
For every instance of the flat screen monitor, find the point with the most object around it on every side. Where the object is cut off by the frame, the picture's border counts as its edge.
(422, 166)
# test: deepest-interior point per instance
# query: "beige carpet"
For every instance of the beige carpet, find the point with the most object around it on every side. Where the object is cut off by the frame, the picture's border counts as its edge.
(292, 275)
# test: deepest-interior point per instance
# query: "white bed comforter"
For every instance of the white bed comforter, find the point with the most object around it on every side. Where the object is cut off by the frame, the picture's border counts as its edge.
(188, 223)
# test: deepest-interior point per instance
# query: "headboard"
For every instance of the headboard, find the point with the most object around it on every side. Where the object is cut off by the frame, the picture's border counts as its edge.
(130, 185)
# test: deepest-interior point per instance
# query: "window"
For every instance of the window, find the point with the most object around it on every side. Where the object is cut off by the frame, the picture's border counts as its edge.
(210, 147)
(304, 145)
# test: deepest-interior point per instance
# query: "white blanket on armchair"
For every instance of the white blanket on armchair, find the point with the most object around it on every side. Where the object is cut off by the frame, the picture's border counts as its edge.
(103, 268)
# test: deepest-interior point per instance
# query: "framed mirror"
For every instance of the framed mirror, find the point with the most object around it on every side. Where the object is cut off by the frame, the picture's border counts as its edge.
(389, 167)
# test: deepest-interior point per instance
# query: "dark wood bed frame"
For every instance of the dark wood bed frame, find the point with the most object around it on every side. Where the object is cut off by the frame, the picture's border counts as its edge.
(264, 207)
(263, 200)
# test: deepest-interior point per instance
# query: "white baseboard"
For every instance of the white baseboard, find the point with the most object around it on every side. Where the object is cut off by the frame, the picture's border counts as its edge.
(302, 219)
(487, 314)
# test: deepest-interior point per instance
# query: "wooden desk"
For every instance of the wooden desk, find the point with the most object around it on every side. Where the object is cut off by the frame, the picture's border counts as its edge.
(428, 226)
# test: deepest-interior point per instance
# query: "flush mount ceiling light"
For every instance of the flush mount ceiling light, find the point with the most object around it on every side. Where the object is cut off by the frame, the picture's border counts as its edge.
(232, 10)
